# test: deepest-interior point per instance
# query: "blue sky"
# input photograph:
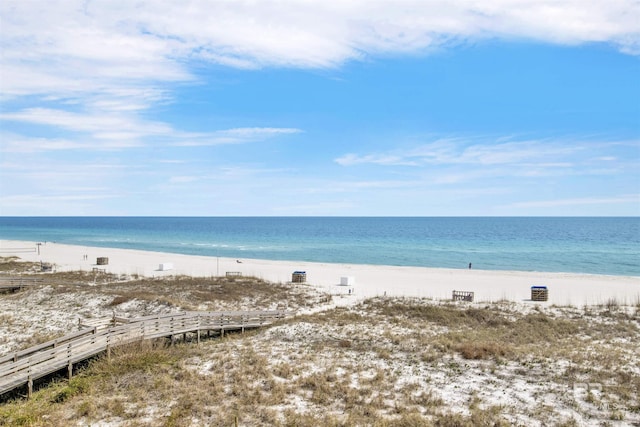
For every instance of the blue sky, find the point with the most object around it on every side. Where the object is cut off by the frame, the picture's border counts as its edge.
(416, 108)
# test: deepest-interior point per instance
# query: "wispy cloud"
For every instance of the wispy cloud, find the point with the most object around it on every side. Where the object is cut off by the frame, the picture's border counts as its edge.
(230, 136)
(96, 132)
(99, 123)
(624, 198)
(470, 150)
(259, 132)
(319, 208)
(55, 203)
(385, 159)
(183, 179)
(38, 199)
(484, 151)
(97, 46)
(112, 59)
(88, 89)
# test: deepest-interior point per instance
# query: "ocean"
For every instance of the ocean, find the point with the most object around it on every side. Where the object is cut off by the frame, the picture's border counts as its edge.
(555, 244)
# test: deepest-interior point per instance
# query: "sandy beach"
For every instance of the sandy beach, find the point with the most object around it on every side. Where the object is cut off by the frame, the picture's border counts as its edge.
(569, 361)
(365, 280)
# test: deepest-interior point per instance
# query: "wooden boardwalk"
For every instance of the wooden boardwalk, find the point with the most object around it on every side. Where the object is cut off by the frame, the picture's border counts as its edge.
(23, 367)
(16, 283)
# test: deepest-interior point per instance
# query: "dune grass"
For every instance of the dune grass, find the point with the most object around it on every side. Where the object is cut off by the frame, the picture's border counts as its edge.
(385, 362)
(382, 362)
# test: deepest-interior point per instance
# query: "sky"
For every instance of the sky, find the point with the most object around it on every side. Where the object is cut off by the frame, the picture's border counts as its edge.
(320, 108)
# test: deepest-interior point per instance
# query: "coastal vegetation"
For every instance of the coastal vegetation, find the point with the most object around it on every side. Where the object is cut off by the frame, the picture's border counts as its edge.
(378, 362)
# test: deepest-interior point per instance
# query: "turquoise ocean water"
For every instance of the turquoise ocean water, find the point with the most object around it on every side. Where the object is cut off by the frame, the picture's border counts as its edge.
(581, 245)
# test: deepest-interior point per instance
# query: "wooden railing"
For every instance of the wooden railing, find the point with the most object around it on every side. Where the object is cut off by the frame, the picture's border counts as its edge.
(14, 283)
(462, 296)
(23, 367)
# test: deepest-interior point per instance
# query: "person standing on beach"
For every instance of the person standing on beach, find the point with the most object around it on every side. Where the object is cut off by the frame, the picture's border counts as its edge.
(469, 266)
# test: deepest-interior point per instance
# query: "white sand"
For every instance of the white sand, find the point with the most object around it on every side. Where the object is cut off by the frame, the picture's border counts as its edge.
(370, 280)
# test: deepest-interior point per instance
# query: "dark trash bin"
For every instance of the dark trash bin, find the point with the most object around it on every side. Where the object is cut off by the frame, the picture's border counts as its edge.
(299, 277)
(539, 293)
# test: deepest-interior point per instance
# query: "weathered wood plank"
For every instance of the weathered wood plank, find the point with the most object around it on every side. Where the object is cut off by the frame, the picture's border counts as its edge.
(22, 367)
(16, 283)
(462, 296)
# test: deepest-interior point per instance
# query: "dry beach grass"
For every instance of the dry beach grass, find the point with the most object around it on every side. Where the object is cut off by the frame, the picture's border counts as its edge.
(380, 362)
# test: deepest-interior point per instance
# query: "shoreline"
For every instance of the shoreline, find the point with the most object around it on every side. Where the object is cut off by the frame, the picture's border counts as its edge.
(573, 289)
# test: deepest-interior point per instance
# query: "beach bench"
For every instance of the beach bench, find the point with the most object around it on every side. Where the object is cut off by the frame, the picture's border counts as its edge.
(462, 296)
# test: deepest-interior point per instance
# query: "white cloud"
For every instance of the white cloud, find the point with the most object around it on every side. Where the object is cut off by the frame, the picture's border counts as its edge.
(111, 59)
(116, 130)
(79, 46)
(352, 159)
(38, 199)
(320, 208)
(624, 198)
(230, 136)
(89, 130)
(182, 179)
(454, 161)
(483, 151)
(12, 143)
(95, 71)
(53, 204)
(86, 122)
(516, 152)
(259, 132)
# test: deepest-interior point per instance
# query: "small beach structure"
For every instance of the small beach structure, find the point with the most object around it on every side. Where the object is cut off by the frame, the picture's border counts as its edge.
(347, 281)
(299, 277)
(165, 266)
(539, 293)
(103, 260)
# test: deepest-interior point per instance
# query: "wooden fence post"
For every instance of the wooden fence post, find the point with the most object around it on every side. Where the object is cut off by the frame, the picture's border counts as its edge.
(198, 323)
